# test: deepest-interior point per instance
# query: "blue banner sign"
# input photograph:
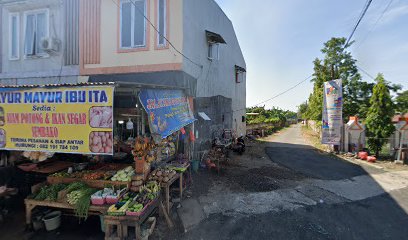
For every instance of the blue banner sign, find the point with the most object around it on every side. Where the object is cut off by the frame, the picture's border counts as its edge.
(168, 110)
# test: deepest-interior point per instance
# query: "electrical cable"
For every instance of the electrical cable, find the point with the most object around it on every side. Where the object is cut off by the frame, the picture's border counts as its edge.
(347, 43)
(365, 72)
(160, 34)
(277, 95)
(367, 5)
(358, 22)
(280, 94)
(375, 24)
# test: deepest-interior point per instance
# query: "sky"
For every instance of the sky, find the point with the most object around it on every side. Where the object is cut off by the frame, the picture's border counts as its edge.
(280, 39)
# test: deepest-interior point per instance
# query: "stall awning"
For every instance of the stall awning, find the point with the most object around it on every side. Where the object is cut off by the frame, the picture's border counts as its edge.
(214, 37)
(204, 116)
(168, 110)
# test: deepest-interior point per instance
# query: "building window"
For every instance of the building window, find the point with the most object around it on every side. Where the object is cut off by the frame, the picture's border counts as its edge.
(239, 74)
(162, 22)
(35, 29)
(213, 51)
(14, 36)
(132, 24)
(214, 40)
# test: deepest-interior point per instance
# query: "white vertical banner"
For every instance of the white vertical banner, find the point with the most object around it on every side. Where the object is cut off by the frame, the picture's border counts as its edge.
(332, 119)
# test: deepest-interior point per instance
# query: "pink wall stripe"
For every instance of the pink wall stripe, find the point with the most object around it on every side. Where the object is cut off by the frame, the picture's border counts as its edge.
(90, 31)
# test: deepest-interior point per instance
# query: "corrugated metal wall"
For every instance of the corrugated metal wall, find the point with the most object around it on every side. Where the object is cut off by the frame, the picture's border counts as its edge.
(90, 20)
(71, 16)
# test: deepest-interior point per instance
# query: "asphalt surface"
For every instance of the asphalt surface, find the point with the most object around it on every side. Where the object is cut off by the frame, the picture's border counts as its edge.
(312, 163)
(285, 213)
(383, 216)
(375, 218)
(290, 150)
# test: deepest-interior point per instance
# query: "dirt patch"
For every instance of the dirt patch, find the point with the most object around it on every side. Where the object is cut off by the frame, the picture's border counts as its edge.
(254, 182)
(251, 172)
(278, 173)
(263, 179)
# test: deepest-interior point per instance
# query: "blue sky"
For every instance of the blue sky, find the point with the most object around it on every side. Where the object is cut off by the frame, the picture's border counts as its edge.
(280, 39)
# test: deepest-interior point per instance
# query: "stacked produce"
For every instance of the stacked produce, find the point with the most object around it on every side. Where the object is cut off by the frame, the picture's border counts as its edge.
(114, 195)
(162, 175)
(137, 182)
(37, 156)
(119, 208)
(49, 193)
(61, 174)
(79, 195)
(124, 175)
(97, 175)
(146, 195)
(144, 148)
(99, 198)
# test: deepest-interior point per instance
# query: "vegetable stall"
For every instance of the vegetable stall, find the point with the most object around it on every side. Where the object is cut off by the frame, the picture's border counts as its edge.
(98, 149)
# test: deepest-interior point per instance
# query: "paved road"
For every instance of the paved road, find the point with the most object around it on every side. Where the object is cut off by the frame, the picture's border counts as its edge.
(291, 150)
(341, 201)
(375, 218)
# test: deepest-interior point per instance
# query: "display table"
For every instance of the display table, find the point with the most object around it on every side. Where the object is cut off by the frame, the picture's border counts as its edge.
(122, 223)
(90, 183)
(166, 187)
(30, 204)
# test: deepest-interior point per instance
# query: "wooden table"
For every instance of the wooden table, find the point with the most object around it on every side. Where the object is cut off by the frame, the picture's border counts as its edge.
(91, 183)
(166, 187)
(52, 167)
(123, 222)
(30, 204)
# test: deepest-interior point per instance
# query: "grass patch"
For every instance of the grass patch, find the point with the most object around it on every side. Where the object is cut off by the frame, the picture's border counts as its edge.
(314, 138)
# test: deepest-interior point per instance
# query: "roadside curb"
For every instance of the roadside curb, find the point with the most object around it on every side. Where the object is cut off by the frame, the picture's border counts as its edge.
(359, 162)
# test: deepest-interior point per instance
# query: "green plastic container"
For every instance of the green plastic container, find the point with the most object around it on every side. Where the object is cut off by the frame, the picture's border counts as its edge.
(194, 165)
(102, 223)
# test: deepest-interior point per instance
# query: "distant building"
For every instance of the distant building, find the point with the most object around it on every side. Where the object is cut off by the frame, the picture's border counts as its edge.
(72, 41)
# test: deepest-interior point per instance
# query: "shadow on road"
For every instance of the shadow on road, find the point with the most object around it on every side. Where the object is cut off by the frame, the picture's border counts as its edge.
(311, 162)
(370, 204)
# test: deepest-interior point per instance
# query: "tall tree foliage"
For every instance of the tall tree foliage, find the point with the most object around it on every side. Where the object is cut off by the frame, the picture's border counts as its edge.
(274, 115)
(336, 64)
(402, 102)
(302, 109)
(379, 116)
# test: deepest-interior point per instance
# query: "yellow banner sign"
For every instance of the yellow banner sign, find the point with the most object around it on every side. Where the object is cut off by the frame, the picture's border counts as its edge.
(60, 119)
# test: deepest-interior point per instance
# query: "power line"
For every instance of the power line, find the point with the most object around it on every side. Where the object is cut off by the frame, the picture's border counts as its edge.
(277, 95)
(376, 22)
(347, 43)
(365, 72)
(161, 35)
(280, 94)
(359, 21)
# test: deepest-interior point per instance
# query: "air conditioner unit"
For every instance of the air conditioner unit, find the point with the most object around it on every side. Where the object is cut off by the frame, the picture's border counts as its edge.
(50, 44)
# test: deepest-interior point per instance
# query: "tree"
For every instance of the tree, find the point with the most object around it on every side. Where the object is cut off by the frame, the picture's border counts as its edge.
(379, 115)
(336, 64)
(402, 102)
(274, 115)
(302, 108)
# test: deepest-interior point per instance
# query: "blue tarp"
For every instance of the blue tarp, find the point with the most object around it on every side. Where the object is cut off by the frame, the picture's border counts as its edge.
(168, 110)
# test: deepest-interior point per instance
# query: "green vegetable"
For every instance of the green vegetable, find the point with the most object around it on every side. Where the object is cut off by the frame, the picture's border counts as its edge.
(83, 203)
(80, 200)
(49, 193)
(76, 186)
